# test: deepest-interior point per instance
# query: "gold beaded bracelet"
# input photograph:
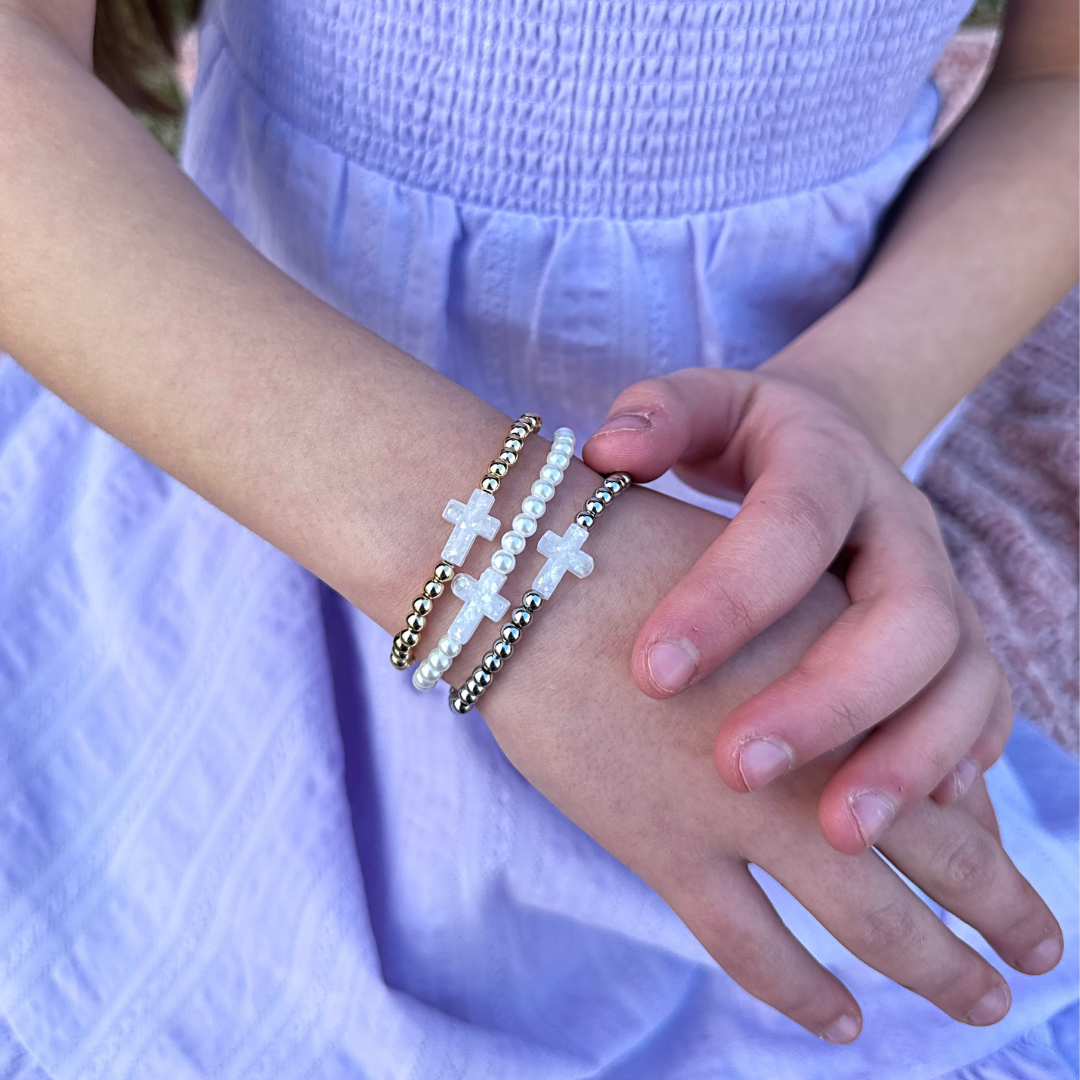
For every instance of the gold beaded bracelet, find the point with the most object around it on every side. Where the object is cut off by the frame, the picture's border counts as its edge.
(470, 520)
(563, 553)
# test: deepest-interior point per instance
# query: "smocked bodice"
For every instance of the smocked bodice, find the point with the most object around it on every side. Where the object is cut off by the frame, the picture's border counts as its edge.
(614, 108)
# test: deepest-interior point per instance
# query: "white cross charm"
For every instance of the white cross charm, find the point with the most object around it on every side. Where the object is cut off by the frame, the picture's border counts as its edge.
(563, 553)
(469, 521)
(482, 598)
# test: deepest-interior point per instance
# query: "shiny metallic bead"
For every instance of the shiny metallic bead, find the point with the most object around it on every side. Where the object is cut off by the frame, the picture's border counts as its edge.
(400, 645)
(513, 444)
(518, 431)
(399, 661)
(410, 638)
(403, 652)
(473, 687)
(622, 478)
(594, 507)
(457, 704)
(491, 663)
(490, 484)
(443, 572)
(497, 468)
(531, 601)
(466, 696)
(520, 617)
(511, 633)
(613, 486)
(433, 589)
(603, 495)
(585, 520)
(416, 622)
(482, 678)
(422, 605)
(533, 419)
(502, 649)
(509, 456)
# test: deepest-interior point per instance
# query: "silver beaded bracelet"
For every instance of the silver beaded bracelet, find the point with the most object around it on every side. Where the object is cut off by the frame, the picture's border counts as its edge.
(482, 598)
(469, 520)
(563, 553)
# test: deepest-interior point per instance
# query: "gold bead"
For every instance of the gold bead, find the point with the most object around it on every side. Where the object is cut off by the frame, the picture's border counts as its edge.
(415, 622)
(433, 589)
(518, 431)
(443, 572)
(497, 468)
(490, 484)
(410, 638)
(400, 662)
(513, 444)
(422, 605)
(535, 420)
(509, 456)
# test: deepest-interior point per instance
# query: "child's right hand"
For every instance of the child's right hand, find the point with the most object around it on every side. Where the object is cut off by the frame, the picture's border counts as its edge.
(637, 774)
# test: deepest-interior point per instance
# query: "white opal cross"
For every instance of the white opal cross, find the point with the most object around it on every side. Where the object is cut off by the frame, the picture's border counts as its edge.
(482, 599)
(469, 521)
(563, 553)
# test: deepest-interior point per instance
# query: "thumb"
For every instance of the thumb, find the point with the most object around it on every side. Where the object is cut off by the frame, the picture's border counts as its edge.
(658, 422)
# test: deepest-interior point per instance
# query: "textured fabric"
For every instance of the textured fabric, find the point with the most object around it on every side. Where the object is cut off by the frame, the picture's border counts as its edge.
(234, 843)
(1004, 484)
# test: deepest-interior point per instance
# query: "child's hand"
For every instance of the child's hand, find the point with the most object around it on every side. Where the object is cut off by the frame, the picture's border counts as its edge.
(909, 650)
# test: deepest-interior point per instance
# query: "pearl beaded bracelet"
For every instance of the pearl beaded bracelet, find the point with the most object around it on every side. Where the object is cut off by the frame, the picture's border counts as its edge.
(563, 553)
(483, 598)
(470, 520)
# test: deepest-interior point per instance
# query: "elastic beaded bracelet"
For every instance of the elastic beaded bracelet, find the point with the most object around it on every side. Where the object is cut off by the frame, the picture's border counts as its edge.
(563, 553)
(483, 598)
(470, 520)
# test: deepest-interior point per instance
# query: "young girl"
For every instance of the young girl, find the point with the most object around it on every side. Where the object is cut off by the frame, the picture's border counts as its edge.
(236, 841)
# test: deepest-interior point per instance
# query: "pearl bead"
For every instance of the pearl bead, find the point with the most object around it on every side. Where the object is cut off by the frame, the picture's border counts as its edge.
(559, 446)
(551, 474)
(558, 459)
(513, 542)
(533, 506)
(502, 562)
(449, 647)
(543, 490)
(524, 524)
(439, 662)
(564, 433)
(427, 672)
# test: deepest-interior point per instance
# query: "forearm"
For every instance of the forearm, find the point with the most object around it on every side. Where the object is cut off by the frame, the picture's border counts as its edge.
(985, 245)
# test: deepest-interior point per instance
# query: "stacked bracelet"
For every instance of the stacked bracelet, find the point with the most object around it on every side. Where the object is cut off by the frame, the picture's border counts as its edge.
(563, 553)
(470, 520)
(483, 598)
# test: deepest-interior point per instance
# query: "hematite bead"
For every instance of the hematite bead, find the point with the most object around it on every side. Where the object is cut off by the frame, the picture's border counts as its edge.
(416, 622)
(497, 468)
(502, 649)
(491, 663)
(520, 617)
(422, 605)
(443, 572)
(531, 601)
(490, 484)
(433, 588)
(585, 520)
(594, 507)
(511, 633)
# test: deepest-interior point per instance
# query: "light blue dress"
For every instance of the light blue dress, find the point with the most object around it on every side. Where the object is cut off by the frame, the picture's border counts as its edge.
(233, 842)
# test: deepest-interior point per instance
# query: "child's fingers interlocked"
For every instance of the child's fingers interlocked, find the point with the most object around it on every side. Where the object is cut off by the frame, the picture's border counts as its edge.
(908, 651)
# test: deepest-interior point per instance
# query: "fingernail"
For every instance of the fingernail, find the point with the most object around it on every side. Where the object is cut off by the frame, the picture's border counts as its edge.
(990, 1008)
(626, 422)
(762, 761)
(671, 665)
(964, 776)
(842, 1030)
(1042, 958)
(873, 813)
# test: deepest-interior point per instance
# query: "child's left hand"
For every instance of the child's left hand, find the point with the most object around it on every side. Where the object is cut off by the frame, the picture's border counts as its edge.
(909, 651)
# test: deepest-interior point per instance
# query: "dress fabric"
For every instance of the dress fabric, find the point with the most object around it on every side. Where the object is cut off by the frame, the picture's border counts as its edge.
(233, 841)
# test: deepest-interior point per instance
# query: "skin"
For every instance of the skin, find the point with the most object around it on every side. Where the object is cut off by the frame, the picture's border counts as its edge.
(983, 245)
(257, 404)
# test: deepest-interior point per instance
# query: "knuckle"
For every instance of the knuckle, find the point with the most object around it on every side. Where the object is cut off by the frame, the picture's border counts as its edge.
(807, 515)
(892, 929)
(936, 622)
(970, 866)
